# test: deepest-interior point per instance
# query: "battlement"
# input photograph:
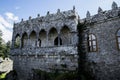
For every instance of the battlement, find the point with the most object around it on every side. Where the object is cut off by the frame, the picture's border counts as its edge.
(103, 16)
(48, 18)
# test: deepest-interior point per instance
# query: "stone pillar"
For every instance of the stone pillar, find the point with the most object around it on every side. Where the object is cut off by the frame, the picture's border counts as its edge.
(28, 43)
(58, 39)
(74, 37)
(20, 42)
(47, 42)
(13, 43)
(37, 40)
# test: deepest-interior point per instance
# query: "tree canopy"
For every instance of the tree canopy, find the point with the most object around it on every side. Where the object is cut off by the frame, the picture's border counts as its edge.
(4, 47)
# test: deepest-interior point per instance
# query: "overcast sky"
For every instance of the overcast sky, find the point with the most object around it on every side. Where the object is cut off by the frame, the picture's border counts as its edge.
(13, 10)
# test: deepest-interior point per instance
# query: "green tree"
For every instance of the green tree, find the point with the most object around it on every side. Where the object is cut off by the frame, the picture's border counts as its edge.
(17, 42)
(7, 49)
(4, 47)
(1, 47)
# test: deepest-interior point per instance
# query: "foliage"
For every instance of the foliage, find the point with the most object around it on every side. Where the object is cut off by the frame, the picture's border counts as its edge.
(1, 53)
(4, 47)
(0, 37)
(17, 42)
(67, 76)
(7, 49)
(42, 75)
(2, 76)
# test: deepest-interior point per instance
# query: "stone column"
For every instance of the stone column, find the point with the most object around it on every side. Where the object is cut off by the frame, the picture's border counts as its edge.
(13, 43)
(28, 43)
(74, 37)
(58, 39)
(47, 42)
(20, 42)
(37, 40)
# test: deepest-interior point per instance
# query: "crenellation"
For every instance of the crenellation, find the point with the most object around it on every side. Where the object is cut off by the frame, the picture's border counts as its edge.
(46, 19)
(48, 13)
(58, 11)
(74, 8)
(100, 10)
(114, 6)
(38, 15)
(102, 15)
(88, 15)
(22, 20)
(30, 18)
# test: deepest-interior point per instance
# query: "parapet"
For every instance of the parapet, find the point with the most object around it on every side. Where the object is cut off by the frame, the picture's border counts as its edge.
(103, 16)
(49, 17)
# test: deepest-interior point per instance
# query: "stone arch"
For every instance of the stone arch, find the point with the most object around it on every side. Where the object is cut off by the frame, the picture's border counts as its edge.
(33, 38)
(65, 35)
(42, 38)
(17, 41)
(58, 41)
(24, 40)
(52, 35)
(70, 27)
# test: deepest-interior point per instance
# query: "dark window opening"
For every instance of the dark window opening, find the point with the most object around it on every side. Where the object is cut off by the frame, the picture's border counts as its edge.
(58, 41)
(39, 43)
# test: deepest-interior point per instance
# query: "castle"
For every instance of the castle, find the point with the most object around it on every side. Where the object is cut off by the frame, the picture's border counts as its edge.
(50, 42)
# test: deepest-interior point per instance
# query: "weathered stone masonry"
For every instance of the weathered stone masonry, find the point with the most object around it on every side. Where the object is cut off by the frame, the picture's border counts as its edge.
(104, 63)
(48, 42)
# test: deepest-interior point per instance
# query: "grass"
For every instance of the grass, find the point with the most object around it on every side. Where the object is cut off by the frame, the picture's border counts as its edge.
(2, 76)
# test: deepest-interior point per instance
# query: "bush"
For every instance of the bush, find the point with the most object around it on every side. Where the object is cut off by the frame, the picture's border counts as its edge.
(42, 75)
(2, 76)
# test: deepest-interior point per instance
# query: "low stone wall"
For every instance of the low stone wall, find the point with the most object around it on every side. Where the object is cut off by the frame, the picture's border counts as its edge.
(57, 58)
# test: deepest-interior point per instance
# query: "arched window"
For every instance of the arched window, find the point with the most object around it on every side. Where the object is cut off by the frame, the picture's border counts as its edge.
(92, 43)
(51, 36)
(24, 40)
(42, 38)
(65, 35)
(57, 41)
(118, 39)
(17, 41)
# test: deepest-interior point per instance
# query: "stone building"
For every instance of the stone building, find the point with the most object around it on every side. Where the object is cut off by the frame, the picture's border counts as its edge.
(50, 42)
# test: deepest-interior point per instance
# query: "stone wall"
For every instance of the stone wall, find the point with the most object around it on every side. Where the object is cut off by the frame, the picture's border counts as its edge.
(104, 63)
(62, 58)
(47, 43)
(42, 28)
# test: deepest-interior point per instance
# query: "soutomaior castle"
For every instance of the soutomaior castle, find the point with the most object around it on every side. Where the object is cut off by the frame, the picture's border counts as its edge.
(50, 42)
